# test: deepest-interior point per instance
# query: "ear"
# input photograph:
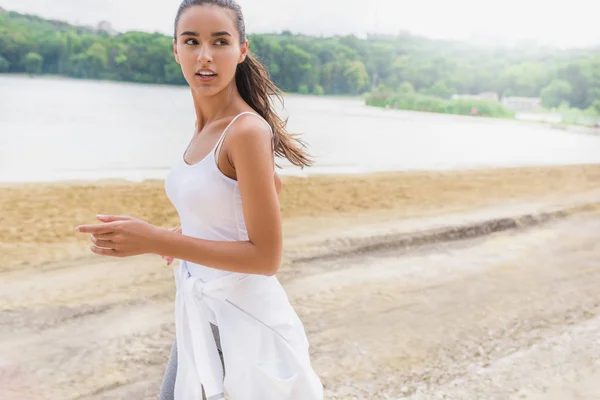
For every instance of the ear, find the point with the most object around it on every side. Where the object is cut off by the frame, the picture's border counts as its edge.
(175, 51)
(243, 52)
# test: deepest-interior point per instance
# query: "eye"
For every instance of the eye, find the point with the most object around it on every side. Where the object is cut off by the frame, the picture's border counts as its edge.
(191, 40)
(221, 42)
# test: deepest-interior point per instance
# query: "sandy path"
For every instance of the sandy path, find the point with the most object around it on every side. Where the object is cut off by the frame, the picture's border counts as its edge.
(510, 315)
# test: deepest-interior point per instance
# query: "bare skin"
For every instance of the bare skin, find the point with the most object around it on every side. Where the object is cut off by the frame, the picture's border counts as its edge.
(278, 186)
(208, 40)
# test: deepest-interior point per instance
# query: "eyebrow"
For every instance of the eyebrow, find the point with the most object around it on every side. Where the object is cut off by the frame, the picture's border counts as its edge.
(214, 34)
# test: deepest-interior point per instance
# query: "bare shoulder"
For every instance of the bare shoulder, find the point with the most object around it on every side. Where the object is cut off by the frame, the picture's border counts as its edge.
(249, 135)
(250, 128)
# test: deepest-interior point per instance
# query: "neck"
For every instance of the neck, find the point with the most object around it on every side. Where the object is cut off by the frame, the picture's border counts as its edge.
(210, 108)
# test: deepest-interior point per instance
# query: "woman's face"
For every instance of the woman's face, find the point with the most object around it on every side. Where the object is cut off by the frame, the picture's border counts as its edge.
(208, 48)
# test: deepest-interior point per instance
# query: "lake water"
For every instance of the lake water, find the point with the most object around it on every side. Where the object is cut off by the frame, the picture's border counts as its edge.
(61, 129)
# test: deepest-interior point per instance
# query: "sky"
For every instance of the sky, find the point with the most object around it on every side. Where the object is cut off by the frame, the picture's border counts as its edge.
(557, 22)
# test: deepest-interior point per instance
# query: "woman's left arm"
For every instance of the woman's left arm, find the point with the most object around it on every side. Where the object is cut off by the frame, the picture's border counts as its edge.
(249, 150)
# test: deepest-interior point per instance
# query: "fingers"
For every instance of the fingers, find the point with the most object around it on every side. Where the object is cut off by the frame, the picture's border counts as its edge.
(102, 233)
(110, 223)
(104, 252)
(108, 244)
(96, 229)
(106, 236)
(169, 259)
(113, 218)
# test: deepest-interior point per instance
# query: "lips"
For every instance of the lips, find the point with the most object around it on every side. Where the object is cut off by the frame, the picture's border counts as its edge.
(206, 73)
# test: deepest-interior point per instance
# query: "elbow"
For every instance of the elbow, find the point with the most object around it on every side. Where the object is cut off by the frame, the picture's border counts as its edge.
(271, 266)
(271, 272)
(267, 259)
(271, 269)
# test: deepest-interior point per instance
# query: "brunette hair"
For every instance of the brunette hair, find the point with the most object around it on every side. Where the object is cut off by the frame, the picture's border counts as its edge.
(257, 89)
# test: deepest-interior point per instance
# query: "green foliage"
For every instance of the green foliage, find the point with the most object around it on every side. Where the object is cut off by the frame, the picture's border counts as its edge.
(526, 79)
(4, 64)
(356, 77)
(576, 116)
(484, 108)
(382, 65)
(296, 63)
(557, 92)
(421, 102)
(33, 63)
(318, 90)
(439, 89)
(406, 88)
(303, 89)
(581, 78)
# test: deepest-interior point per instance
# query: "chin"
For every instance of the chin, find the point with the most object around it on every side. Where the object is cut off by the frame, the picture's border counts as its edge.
(206, 90)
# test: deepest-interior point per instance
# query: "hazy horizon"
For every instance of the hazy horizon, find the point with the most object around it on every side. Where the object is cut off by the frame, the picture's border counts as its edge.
(535, 22)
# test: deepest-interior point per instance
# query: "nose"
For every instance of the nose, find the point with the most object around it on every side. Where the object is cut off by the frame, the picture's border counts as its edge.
(204, 55)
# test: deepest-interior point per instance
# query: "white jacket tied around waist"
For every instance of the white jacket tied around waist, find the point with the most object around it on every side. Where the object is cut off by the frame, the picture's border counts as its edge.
(263, 341)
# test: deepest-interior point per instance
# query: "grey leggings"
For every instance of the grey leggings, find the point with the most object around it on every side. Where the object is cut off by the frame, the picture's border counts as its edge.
(167, 391)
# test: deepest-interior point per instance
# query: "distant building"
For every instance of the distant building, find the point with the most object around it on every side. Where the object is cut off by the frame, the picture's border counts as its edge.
(522, 103)
(491, 96)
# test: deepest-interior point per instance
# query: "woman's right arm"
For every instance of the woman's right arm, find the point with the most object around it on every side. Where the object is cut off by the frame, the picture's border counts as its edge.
(278, 186)
(278, 183)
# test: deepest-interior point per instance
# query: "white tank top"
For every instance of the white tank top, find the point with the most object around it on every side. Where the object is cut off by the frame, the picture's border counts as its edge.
(208, 203)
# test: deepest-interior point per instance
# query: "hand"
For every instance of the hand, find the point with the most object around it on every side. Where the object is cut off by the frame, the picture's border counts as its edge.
(167, 258)
(121, 236)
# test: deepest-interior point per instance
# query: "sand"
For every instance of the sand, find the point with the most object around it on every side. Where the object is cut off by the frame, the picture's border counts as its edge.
(37, 220)
(510, 314)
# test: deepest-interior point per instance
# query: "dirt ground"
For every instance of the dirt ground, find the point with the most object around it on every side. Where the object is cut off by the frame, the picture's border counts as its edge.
(37, 221)
(513, 314)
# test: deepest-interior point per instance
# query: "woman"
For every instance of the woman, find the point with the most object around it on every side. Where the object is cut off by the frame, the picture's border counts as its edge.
(237, 333)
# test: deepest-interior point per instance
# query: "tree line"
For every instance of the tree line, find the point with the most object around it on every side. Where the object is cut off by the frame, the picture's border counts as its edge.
(340, 65)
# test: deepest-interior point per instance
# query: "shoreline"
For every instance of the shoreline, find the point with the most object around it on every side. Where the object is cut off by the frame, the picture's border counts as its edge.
(39, 228)
(571, 127)
(576, 128)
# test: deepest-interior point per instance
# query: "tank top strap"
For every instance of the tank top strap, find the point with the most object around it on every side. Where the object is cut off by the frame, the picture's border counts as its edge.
(222, 138)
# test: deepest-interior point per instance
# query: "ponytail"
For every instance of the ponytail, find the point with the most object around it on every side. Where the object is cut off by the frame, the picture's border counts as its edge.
(257, 89)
